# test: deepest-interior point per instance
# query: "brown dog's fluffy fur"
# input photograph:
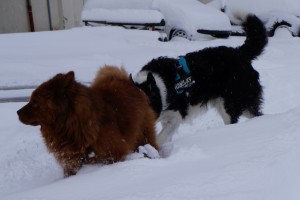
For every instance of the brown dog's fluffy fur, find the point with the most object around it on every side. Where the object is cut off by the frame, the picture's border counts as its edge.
(86, 125)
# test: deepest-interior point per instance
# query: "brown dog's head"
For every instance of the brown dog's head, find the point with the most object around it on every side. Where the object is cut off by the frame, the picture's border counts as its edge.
(49, 102)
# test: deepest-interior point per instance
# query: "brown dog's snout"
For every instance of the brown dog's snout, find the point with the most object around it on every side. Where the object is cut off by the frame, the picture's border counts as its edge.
(26, 115)
(22, 112)
(19, 111)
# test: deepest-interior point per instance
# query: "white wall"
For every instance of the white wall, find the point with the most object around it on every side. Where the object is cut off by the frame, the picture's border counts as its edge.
(40, 15)
(13, 16)
(65, 14)
(72, 12)
(205, 1)
(56, 14)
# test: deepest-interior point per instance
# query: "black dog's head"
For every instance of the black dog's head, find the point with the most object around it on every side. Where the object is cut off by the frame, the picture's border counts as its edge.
(150, 88)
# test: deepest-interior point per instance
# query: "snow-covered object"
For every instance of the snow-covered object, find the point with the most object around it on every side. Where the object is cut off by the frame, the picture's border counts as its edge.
(272, 18)
(259, 6)
(118, 4)
(121, 11)
(271, 12)
(138, 16)
(187, 15)
(191, 15)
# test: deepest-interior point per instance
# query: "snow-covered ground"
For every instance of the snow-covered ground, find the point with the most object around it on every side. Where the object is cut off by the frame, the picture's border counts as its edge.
(257, 159)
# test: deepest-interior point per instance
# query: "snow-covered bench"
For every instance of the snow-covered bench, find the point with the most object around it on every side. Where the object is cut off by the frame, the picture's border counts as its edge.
(188, 19)
(122, 13)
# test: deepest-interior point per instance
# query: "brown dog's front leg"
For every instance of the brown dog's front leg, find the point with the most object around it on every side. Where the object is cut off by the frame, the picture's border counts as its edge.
(72, 168)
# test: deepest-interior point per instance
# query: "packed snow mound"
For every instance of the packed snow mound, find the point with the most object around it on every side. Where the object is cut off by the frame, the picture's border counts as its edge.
(258, 6)
(118, 4)
(122, 16)
(190, 15)
(256, 159)
(120, 11)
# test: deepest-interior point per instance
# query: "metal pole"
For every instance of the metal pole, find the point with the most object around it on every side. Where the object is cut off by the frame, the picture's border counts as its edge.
(30, 16)
(49, 15)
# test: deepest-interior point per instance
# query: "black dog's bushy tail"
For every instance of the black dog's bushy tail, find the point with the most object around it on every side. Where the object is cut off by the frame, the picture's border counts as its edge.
(256, 39)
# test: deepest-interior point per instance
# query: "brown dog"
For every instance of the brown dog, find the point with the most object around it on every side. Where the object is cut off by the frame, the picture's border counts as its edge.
(86, 125)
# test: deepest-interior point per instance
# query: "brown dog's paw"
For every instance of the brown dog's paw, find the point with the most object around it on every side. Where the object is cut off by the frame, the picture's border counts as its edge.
(69, 172)
(71, 169)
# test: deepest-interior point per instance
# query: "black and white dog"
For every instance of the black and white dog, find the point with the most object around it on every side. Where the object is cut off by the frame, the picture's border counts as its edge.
(221, 74)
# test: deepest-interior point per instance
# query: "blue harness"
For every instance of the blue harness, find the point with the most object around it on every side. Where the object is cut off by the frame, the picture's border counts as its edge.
(184, 79)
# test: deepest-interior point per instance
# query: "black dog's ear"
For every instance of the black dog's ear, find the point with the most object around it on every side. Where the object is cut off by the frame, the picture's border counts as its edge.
(150, 78)
(130, 77)
(150, 81)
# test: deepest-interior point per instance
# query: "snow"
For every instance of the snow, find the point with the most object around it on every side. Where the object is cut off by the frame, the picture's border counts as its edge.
(258, 6)
(269, 11)
(187, 15)
(122, 15)
(256, 159)
(191, 15)
(272, 17)
(120, 11)
(119, 4)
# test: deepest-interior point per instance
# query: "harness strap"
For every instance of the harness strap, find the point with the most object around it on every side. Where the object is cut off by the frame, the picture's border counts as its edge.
(182, 68)
(183, 79)
(182, 62)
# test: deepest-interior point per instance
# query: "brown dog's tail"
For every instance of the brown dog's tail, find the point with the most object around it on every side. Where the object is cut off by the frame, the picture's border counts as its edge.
(109, 73)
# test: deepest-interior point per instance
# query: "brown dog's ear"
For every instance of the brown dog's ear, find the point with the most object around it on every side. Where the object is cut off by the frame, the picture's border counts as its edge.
(67, 80)
(69, 77)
